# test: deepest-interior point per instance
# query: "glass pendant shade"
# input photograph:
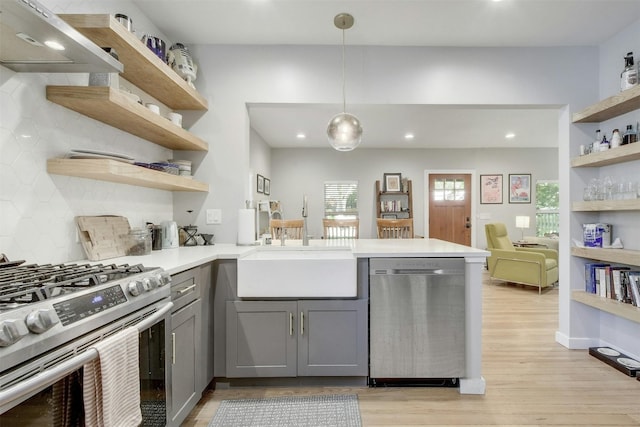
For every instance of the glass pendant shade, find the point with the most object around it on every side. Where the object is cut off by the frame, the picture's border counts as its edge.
(344, 132)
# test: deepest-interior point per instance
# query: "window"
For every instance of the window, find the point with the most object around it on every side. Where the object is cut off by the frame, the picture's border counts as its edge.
(547, 208)
(448, 189)
(341, 199)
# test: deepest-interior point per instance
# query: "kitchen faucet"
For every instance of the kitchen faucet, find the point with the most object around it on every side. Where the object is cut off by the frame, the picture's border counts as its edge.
(305, 237)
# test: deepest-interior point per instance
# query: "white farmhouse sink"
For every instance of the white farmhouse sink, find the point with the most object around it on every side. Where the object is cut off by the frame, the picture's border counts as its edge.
(297, 273)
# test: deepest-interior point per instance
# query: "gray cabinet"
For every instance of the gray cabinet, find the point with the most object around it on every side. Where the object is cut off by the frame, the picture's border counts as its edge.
(296, 338)
(207, 339)
(332, 339)
(186, 344)
(261, 339)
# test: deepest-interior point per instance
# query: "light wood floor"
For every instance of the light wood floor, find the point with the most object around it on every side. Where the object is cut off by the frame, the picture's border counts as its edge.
(531, 380)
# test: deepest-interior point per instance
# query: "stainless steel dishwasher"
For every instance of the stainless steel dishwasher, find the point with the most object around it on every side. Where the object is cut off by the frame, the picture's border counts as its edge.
(417, 320)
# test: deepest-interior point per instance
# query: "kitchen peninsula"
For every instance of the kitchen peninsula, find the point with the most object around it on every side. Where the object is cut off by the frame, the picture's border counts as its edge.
(178, 260)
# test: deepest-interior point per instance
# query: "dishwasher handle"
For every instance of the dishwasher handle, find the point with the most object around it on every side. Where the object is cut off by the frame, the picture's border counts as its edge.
(415, 271)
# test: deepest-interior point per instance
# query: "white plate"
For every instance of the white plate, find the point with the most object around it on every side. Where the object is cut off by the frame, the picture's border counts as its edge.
(608, 351)
(101, 153)
(98, 156)
(629, 363)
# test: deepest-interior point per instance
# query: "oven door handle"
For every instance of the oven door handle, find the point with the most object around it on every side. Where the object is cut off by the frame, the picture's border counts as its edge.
(50, 376)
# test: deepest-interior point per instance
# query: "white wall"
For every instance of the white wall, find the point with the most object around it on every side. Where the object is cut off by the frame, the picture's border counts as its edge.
(37, 210)
(299, 171)
(232, 76)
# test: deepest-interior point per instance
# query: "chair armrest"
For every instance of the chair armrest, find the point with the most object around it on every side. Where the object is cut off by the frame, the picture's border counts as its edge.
(518, 255)
(548, 253)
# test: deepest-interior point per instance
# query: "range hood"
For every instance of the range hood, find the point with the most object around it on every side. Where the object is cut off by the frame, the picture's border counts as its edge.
(28, 29)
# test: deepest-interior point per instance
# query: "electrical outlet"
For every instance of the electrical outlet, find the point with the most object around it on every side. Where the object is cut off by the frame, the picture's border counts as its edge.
(214, 216)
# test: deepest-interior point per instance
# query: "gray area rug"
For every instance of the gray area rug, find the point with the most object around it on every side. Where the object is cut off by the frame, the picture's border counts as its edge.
(324, 410)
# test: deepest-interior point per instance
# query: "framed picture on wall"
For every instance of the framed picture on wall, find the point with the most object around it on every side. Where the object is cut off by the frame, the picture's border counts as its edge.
(520, 188)
(267, 187)
(491, 189)
(392, 182)
(260, 184)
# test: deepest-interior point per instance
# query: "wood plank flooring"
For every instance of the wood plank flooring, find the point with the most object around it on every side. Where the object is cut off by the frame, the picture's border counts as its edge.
(531, 379)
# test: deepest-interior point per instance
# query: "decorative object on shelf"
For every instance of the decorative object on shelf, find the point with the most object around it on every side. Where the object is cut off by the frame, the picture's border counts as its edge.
(344, 130)
(267, 186)
(491, 189)
(157, 46)
(260, 184)
(175, 118)
(519, 188)
(180, 60)
(125, 20)
(629, 75)
(392, 182)
(522, 222)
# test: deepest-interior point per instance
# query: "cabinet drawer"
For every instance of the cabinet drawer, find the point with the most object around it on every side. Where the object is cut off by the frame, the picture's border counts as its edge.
(185, 288)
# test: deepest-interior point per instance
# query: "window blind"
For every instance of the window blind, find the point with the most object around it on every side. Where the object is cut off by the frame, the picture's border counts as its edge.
(341, 199)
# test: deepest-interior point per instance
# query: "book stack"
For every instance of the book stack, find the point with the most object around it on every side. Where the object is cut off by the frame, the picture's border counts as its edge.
(391, 205)
(614, 282)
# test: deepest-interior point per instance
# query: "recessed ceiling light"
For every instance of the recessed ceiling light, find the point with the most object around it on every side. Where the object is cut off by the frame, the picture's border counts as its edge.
(510, 135)
(54, 45)
(301, 135)
(409, 136)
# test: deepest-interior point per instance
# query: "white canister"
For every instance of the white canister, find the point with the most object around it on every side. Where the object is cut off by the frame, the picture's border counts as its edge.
(153, 107)
(175, 118)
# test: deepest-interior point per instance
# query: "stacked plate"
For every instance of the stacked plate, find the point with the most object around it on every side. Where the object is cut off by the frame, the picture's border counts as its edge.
(184, 167)
(94, 154)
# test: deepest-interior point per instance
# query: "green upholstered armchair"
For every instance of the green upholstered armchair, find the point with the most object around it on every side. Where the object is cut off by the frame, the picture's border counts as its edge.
(528, 266)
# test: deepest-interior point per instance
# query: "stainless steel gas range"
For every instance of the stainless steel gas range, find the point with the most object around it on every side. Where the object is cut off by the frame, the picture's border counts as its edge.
(50, 315)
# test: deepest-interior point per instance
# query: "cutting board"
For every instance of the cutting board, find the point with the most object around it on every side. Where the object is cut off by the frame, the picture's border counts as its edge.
(103, 237)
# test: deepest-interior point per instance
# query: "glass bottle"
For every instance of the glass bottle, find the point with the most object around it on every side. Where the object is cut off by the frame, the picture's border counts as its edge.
(629, 136)
(629, 76)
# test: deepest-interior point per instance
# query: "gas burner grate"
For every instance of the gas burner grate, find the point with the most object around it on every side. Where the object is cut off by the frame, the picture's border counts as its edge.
(31, 283)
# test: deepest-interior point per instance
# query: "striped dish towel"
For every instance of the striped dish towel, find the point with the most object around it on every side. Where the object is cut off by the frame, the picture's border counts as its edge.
(112, 382)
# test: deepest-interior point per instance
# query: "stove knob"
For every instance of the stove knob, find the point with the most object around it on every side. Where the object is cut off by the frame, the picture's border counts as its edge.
(41, 320)
(164, 278)
(11, 331)
(135, 288)
(147, 284)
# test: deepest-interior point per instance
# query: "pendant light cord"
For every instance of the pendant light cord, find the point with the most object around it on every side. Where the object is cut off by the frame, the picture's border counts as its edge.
(344, 79)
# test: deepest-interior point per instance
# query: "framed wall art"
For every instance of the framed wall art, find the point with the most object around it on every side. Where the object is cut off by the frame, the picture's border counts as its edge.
(267, 186)
(520, 188)
(491, 189)
(392, 182)
(260, 184)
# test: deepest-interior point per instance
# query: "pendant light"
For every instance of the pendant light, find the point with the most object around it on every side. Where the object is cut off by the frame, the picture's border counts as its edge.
(344, 130)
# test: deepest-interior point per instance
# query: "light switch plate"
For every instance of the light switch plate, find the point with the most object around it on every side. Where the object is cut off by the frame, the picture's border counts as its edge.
(214, 216)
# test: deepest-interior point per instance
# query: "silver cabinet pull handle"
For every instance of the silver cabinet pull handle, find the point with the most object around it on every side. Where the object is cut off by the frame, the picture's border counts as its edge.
(290, 324)
(302, 323)
(173, 348)
(187, 289)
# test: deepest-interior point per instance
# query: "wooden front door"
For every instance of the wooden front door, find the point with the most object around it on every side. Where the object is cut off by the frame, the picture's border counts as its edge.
(450, 207)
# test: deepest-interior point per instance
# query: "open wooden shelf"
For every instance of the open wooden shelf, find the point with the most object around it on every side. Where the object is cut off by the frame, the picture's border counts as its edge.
(621, 256)
(123, 173)
(624, 102)
(606, 205)
(141, 66)
(116, 109)
(624, 153)
(620, 309)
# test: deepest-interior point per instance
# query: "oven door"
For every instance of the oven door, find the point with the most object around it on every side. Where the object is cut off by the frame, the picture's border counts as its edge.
(47, 390)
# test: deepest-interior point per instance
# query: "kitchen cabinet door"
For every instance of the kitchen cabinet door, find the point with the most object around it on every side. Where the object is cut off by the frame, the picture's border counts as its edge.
(332, 338)
(186, 361)
(261, 339)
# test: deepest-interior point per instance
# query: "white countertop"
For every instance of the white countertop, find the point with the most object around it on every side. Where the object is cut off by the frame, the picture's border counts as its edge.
(184, 258)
